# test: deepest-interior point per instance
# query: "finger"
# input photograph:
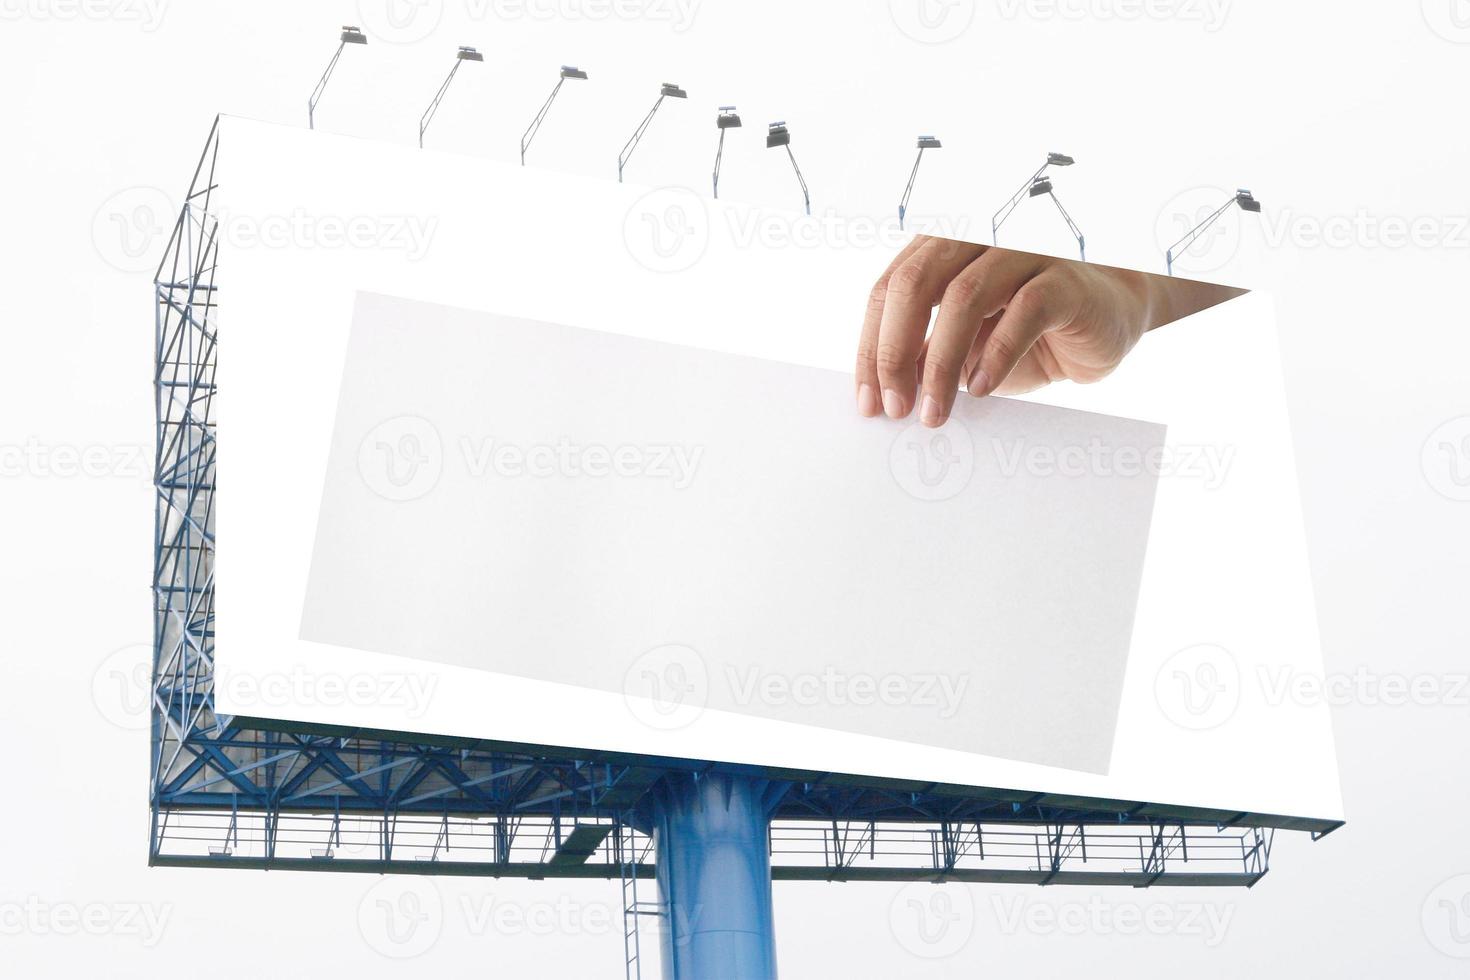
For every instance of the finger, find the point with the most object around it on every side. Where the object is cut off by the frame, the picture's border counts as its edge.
(865, 374)
(913, 290)
(970, 299)
(1037, 307)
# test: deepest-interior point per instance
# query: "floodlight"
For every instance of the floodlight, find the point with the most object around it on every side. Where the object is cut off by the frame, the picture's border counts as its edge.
(727, 119)
(1053, 159)
(1243, 198)
(923, 143)
(1042, 185)
(349, 35)
(465, 53)
(567, 71)
(778, 135)
(667, 90)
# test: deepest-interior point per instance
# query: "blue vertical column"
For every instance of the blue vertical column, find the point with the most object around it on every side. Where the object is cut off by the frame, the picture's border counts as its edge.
(710, 834)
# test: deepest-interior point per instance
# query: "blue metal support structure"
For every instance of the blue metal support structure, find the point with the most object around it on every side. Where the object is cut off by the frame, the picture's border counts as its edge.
(711, 835)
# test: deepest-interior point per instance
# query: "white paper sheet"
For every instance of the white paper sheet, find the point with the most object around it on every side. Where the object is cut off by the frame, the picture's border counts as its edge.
(698, 529)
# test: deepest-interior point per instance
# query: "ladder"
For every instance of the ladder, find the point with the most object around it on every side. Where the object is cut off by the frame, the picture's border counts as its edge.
(628, 861)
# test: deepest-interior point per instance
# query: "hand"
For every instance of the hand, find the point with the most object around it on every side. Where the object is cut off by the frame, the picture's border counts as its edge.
(1008, 322)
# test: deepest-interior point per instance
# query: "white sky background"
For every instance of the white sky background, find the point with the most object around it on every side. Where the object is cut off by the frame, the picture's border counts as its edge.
(1338, 116)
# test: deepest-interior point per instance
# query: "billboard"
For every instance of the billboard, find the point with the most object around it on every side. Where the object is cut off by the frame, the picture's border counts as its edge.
(438, 368)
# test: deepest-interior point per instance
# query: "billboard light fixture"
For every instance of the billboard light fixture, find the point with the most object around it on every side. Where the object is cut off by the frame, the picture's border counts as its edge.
(666, 90)
(778, 135)
(567, 71)
(1053, 159)
(727, 119)
(1242, 199)
(350, 35)
(1042, 186)
(465, 53)
(923, 143)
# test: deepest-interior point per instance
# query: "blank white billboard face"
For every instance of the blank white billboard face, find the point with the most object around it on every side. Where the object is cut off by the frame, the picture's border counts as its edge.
(327, 611)
(703, 530)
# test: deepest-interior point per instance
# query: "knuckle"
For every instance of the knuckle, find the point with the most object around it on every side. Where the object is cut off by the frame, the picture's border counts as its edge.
(1002, 350)
(963, 292)
(1031, 301)
(877, 295)
(891, 357)
(907, 280)
(940, 367)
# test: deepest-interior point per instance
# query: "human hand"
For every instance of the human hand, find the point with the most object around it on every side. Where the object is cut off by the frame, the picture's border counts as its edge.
(1008, 322)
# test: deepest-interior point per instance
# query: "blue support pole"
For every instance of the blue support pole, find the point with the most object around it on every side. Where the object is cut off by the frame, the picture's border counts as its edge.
(711, 837)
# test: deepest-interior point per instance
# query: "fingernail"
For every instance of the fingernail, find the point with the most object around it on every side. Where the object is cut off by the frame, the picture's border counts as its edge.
(867, 401)
(979, 383)
(892, 404)
(929, 411)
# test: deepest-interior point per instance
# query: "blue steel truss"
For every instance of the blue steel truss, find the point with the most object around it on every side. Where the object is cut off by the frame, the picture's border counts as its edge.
(256, 793)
